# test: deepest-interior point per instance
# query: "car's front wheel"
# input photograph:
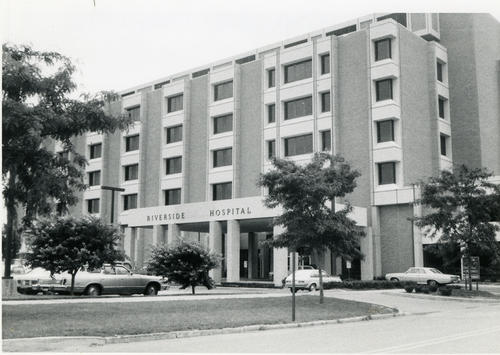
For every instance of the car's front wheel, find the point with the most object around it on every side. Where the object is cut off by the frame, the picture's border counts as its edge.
(432, 283)
(394, 279)
(312, 288)
(151, 290)
(93, 290)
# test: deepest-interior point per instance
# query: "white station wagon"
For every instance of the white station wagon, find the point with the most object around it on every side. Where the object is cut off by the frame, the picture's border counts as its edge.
(308, 279)
(423, 275)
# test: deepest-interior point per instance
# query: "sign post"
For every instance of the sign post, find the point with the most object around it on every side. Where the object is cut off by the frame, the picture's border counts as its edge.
(348, 266)
(470, 270)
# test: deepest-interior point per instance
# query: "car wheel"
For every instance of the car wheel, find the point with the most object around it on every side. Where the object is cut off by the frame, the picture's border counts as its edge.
(151, 290)
(432, 283)
(394, 279)
(93, 290)
(312, 288)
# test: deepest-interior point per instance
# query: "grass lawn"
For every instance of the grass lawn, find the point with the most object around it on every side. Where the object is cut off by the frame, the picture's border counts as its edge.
(108, 319)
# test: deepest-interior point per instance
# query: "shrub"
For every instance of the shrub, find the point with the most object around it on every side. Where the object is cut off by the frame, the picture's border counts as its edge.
(445, 291)
(366, 285)
(409, 289)
(432, 288)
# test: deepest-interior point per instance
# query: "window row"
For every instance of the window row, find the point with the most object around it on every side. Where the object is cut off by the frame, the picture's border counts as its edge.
(299, 70)
(298, 145)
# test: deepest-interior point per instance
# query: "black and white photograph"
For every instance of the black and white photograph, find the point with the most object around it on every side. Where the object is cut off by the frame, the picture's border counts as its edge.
(273, 176)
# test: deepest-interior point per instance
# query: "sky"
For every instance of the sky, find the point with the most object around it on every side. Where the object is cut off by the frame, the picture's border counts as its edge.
(118, 44)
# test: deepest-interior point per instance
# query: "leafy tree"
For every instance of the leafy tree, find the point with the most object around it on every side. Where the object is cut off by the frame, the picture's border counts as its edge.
(462, 204)
(37, 108)
(65, 244)
(187, 264)
(306, 194)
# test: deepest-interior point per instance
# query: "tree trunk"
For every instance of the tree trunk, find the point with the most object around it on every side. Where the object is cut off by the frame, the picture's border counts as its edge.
(72, 283)
(320, 283)
(192, 289)
(11, 222)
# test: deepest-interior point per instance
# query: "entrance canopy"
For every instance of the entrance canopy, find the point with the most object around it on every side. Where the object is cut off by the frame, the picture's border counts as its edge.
(234, 209)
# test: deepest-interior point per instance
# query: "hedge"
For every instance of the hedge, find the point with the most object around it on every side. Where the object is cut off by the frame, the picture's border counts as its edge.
(365, 285)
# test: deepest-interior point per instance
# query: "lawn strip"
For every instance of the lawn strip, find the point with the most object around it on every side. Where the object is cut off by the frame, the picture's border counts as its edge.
(98, 319)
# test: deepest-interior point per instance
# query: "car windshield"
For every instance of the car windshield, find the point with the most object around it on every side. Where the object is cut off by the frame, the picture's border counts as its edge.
(436, 271)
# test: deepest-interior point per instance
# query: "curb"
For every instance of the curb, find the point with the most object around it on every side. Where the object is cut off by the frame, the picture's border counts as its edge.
(446, 298)
(99, 341)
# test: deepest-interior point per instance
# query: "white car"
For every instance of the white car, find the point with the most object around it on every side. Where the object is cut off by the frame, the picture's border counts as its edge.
(423, 275)
(308, 279)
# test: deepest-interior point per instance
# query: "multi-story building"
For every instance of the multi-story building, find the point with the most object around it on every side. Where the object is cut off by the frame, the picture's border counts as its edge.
(400, 96)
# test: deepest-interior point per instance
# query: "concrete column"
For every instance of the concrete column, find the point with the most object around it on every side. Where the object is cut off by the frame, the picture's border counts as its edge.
(418, 248)
(173, 234)
(367, 269)
(132, 236)
(157, 235)
(253, 258)
(338, 265)
(327, 261)
(233, 251)
(139, 249)
(280, 260)
(377, 251)
(215, 246)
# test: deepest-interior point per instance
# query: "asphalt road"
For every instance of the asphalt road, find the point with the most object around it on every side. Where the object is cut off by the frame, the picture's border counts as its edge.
(435, 325)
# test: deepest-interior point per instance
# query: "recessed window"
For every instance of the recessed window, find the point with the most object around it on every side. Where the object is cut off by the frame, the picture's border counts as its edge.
(175, 103)
(271, 149)
(398, 17)
(222, 191)
(326, 140)
(383, 49)
(385, 131)
(129, 202)
(442, 107)
(131, 172)
(132, 143)
(298, 145)
(134, 113)
(325, 101)
(174, 165)
(271, 78)
(172, 197)
(63, 155)
(93, 205)
(95, 151)
(298, 108)
(384, 89)
(439, 71)
(223, 91)
(298, 71)
(174, 134)
(223, 123)
(94, 178)
(223, 157)
(325, 63)
(443, 140)
(271, 113)
(386, 173)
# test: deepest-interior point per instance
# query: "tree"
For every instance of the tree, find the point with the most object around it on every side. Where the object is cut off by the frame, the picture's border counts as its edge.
(462, 204)
(307, 194)
(37, 108)
(66, 244)
(187, 264)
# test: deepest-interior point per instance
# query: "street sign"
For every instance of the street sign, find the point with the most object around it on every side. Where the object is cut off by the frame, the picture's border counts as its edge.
(348, 264)
(474, 268)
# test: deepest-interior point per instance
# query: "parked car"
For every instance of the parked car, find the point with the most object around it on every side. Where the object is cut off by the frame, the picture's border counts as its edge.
(308, 279)
(31, 281)
(108, 280)
(423, 275)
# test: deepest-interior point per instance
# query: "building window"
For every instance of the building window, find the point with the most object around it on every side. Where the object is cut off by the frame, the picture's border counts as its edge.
(386, 173)
(325, 101)
(325, 64)
(175, 103)
(174, 134)
(131, 172)
(271, 149)
(174, 165)
(398, 17)
(94, 178)
(441, 107)
(132, 143)
(93, 205)
(271, 113)
(172, 197)
(383, 49)
(63, 155)
(223, 91)
(298, 71)
(384, 89)
(443, 140)
(298, 145)
(385, 131)
(223, 157)
(134, 113)
(271, 78)
(129, 202)
(222, 191)
(223, 123)
(95, 151)
(439, 71)
(298, 108)
(326, 140)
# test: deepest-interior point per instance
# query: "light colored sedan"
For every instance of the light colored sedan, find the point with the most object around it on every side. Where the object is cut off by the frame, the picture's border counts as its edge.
(309, 279)
(109, 280)
(423, 275)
